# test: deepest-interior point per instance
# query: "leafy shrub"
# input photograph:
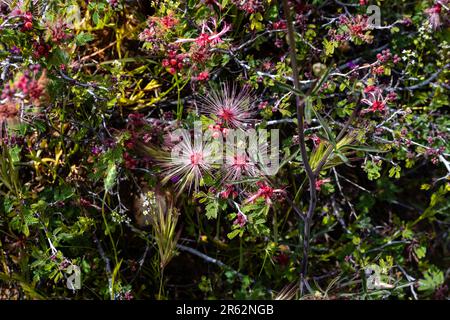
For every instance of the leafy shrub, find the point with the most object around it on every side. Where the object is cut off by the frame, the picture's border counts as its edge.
(93, 93)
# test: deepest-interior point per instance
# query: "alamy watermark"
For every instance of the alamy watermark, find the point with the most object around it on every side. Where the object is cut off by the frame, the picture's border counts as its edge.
(246, 152)
(374, 16)
(74, 279)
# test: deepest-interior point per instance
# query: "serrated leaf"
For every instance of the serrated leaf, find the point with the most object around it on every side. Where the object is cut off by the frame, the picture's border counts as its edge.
(82, 38)
(212, 209)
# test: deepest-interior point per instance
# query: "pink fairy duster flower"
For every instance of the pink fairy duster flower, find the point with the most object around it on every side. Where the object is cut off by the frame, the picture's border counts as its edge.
(374, 100)
(229, 107)
(207, 35)
(279, 25)
(169, 21)
(370, 89)
(392, 96)
(202, 76)
(230, 190)
(265, 191)
(316, 140)
(203, 39)
(375, 106)
(241, 219)
(238, 166)
(58, 30)
(321, 182)
(249, 6)
(187, 163)
(27, 22)
(434, 16)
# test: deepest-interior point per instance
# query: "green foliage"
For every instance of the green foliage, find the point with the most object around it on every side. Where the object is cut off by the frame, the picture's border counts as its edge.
(92, 92)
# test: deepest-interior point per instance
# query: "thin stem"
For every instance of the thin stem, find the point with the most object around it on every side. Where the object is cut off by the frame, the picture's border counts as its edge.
(241, 254)
(301, 133)
(161, 280)
(340, 135)
(107, 228)
(275, 226)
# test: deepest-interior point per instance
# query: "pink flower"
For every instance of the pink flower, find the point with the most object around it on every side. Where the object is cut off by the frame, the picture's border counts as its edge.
(375, 100)
(241, 219)
(263, 105)
(239, 166)
(279, 25)
(188, 161)
(202, 76)
(378, 70)
(316, 140)
(230, 190)
(207, 36)
(434, 16)
(229, 107)
(203, 39)
(169, 21)
(27, 22)
(58, 30)
(392, 96)
(265, 191)
(250, 6)
(370, 89)
(319, 183)
(130, 163)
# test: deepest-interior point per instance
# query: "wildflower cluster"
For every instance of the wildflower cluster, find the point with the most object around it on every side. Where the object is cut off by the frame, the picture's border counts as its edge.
(22, 95)
(354, 28)
(259, 149)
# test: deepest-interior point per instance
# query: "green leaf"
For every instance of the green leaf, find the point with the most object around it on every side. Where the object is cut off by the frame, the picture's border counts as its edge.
(289, 88)
(233, 233)
(329, 46)
(15, 154)
(62, 193)
(433, 278)
(82, 38)
(322, 79)
(272, 13)
(58, 57)
(95, 18)
(395, 171)
(110, 176)
(328, 131)
(420, 252)
(373, 170)
(362, 148)
(212, 209)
